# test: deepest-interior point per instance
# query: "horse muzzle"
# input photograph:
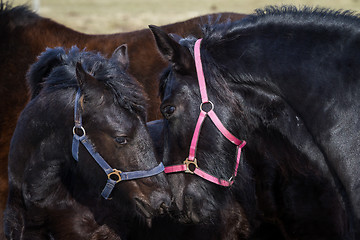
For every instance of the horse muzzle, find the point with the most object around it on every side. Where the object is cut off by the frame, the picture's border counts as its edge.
(187, 215)
(158, 204)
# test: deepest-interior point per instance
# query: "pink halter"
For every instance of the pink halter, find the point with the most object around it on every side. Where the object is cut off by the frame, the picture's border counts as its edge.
(190, 164)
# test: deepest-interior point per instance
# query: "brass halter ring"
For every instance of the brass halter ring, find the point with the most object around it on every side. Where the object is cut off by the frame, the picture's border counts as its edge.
(115, 173)
(189, 163)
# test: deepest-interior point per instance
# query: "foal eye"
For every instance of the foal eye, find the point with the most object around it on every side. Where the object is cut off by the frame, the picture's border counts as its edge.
(167, 111)
(121, 140)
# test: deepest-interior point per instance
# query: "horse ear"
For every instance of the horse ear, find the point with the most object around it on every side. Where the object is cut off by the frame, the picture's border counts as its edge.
(121, 55)
(171, 50)
(175, 36)
(83, 77)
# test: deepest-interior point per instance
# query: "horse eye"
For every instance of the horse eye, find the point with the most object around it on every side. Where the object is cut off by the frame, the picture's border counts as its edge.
(167, 111)
(121, 140)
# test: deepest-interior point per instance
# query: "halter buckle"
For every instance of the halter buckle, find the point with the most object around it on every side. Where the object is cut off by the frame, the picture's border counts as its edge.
(115, 174)
(191, 165)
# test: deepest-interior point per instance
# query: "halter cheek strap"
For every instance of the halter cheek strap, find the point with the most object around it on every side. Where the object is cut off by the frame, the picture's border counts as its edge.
(114, 175)
(190, 164)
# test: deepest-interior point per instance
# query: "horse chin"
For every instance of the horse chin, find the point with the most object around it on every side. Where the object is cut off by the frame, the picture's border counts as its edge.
(185, 217)
(145, 211)
(189, 218)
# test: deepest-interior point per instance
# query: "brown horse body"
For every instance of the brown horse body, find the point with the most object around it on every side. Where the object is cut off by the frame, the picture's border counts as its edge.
(24, 35)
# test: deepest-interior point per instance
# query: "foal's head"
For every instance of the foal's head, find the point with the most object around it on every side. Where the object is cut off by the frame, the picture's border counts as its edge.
(110, 107)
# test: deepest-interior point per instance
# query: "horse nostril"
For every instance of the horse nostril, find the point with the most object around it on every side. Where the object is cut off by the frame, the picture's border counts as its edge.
(194, 217)
(143, 208)
(190, 210)
(163, 208)
(166, 203)
(189, 205)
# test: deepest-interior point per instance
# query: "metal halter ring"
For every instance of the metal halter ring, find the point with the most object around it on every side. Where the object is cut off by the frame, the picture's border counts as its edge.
(188, 162)
(115, 173)
(81, 128)
(201, 106)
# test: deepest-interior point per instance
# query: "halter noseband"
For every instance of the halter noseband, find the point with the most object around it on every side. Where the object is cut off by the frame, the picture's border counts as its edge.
(114, 175)
(190, 164)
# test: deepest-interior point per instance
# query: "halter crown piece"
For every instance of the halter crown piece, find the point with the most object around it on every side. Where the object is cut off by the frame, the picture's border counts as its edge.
(114, 175)
(190, 164)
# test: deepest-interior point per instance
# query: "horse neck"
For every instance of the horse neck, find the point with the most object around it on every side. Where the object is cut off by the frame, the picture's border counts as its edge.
(39, 131)
(274, 124)
(307, 69)
(303, 69)
(317, 80)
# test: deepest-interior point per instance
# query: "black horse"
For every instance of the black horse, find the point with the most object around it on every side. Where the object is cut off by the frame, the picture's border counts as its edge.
(286, 80)
(86, 119)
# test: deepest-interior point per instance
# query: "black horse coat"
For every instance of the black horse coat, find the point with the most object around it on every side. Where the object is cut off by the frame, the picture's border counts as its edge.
(287, 81)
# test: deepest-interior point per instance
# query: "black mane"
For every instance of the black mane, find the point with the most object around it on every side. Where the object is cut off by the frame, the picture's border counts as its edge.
(60, 74)
(284, 17)
(273, 23)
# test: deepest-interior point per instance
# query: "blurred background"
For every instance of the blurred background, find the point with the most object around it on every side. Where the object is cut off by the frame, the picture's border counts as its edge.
(111, 16)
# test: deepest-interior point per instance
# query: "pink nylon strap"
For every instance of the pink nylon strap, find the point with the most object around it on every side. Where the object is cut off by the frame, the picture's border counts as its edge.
(175, 168)
(200, 72)
(200, 173)
(192, 152)
(222, 129)
(195, 138)
(213, 179)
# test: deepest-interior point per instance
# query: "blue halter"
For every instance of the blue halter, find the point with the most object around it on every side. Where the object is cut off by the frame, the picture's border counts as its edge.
(114, 175)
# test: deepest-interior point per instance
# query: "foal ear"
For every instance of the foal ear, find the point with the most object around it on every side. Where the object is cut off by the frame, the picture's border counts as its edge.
(121, 56)
(82, 77)
(171, 50)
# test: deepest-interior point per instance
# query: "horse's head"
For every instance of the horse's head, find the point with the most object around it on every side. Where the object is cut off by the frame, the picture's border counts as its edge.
(102, 116)
(198, 198)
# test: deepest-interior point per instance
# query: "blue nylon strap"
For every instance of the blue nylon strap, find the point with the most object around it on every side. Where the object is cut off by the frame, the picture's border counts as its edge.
(75, 148)
(75, 145)
(110, 184)
(141, 174)
(78, 124)
(77, 113)
(102, 163)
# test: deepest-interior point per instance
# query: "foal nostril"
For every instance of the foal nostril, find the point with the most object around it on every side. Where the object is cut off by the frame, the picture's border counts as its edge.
(160, 200)
(143, 208)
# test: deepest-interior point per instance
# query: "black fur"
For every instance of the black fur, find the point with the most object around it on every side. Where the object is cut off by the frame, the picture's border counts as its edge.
(127, 93)
(285, 80)
(51, 195)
